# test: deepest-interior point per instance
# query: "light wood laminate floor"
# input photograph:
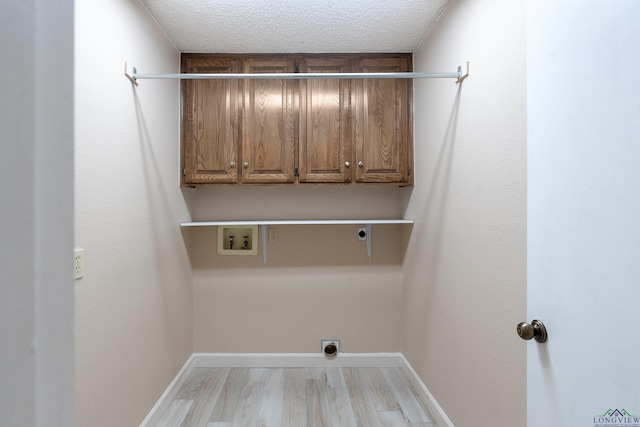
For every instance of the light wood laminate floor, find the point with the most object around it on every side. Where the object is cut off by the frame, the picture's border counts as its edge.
(297, 397)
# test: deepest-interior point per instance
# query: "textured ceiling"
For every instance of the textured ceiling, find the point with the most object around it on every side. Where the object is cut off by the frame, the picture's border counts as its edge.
(300, 26)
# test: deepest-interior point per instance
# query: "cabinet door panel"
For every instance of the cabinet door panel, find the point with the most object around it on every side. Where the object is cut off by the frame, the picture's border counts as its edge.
(268, 125)
(382, 123)
(324, 123)
(210, 124)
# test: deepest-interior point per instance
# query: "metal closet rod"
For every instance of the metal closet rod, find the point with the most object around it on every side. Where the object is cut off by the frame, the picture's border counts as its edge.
(134, 76)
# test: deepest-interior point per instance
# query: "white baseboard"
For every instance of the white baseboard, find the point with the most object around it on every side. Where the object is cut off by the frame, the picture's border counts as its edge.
(434, 408)
(294, 360)
(152, 418)
(297, 360)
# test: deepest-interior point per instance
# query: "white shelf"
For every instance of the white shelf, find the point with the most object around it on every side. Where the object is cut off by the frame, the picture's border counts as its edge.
(265, 223)
(297, 222)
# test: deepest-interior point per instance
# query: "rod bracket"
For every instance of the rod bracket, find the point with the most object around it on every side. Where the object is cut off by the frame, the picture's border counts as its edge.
(130, 72)
(461, 77)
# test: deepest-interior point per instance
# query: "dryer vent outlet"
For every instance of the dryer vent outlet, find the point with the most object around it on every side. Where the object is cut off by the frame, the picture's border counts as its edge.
(330, 348)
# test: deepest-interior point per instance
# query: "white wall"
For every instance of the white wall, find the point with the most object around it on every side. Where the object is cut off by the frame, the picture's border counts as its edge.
(134, 304)
(317, 283)
(465, 270)
(36, 228)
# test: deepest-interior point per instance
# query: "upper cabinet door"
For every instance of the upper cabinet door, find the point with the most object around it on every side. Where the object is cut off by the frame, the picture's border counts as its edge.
(210, 123)
(268, 124)
(325, 129)
(383, 124)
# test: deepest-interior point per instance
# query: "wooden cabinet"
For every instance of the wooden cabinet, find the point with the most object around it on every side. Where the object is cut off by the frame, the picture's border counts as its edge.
(383, 123)
(210, 132)
(290, 131)
(325, 127)
(268, 124)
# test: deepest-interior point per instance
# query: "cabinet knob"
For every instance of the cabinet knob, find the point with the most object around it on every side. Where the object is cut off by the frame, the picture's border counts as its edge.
(245, 164)
(347, 164)
(361, 163)
(232, 164)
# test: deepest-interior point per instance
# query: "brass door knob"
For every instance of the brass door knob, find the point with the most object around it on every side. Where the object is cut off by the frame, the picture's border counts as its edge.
(535, 330)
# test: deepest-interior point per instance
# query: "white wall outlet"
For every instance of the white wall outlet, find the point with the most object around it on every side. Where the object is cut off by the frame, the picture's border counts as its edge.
(273, 235)
(78, 263)
(362, 233)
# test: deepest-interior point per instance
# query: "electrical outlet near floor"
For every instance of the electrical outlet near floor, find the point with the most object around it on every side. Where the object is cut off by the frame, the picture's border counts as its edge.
(78, 263)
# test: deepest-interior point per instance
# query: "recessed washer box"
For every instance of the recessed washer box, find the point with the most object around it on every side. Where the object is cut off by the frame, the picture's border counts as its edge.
(238, 240)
